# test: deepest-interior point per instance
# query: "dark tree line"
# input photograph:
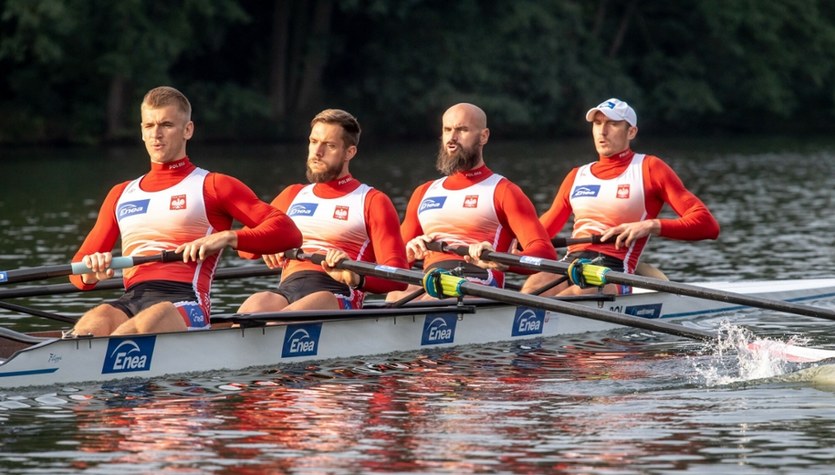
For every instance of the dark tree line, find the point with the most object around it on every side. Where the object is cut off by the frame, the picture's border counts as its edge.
(73, 71)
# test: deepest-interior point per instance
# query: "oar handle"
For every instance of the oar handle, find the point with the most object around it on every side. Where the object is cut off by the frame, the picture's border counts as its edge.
(46, 272)
(441, 246)
(364, 268)
(300, 255)
(565, 242)
(123, 262)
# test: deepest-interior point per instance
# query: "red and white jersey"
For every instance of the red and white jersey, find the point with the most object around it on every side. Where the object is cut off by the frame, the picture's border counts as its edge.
(462, 217)
(176, 192)
(600, 203)
(608, 192)
(155, 221)
(473, 206)
(348, 215)
(328, 223)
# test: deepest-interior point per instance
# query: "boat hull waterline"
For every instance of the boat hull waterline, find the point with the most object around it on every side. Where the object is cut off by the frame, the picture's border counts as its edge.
(49, 361)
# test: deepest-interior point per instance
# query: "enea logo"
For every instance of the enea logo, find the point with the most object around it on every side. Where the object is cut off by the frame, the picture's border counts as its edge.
(132, 208)
(301, 340)
(644, 311)
(528, 321)
(126, 355)
(194, 313)
(439, 329)
(436, 202)
(302, 209)
(584, 191)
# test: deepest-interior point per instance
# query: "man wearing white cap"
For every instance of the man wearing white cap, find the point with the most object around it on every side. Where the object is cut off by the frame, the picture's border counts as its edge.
(619, 197)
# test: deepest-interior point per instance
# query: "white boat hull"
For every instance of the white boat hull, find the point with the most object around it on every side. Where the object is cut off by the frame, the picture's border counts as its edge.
(56, 361)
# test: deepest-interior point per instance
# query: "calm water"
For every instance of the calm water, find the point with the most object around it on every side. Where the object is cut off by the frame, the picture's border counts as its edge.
(615, 403)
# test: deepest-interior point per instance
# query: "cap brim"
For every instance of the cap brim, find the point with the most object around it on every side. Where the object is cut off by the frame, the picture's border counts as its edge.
(609, 114)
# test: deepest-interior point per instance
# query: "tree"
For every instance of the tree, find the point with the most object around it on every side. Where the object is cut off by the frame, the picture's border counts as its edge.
(62, 54)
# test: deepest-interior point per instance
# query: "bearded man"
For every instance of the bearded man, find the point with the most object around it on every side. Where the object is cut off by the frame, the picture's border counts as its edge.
(339, 217)
(470, 206)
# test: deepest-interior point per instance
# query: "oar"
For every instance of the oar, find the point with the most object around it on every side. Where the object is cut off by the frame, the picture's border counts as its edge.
(46, 272)
(407, 298)
(38, 313)
(643, 268)
(509, 296)
(600, 275)
(56, 289)
(565, 242)
(116, 284)
(509, 285)
(452, 286)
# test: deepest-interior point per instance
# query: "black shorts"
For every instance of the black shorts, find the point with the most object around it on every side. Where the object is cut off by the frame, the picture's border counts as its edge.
(305, 282)
(145, 294)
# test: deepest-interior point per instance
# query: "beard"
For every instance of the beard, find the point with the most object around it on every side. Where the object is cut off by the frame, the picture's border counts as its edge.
(330, 173)
(460, 160)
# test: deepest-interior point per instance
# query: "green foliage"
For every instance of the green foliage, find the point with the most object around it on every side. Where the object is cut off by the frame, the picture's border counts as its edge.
(734, 65)
(61, 57)
(228, 111)
(524, 62)
(75, 70)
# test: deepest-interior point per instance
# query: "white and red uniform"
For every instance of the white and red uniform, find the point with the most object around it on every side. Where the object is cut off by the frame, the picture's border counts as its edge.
(347, 215)
(154, 221)
(625, 188)
(176, 203)
(475, 206)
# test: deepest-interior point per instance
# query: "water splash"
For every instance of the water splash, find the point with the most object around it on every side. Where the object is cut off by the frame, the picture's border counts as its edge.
(739, 356)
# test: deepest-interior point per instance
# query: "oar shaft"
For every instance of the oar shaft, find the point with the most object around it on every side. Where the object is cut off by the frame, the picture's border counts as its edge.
(46, 272)
(38, 313)
(553, 305)
(116, 284)
(516, 298)
(689, 290)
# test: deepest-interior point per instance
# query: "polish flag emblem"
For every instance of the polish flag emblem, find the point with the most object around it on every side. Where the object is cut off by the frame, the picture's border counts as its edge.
(471, 201)
(178, 202)
(341, 212)
(623, 192)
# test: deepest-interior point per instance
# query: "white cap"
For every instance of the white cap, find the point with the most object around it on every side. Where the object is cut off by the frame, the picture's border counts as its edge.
(615, 109)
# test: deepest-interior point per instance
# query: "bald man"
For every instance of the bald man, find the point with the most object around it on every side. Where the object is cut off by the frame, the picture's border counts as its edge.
(470, 206)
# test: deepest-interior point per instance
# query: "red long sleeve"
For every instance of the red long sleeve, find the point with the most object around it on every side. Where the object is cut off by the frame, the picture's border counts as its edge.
(226, 199)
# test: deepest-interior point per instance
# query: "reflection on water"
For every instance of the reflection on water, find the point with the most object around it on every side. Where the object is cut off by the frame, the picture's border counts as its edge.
(620, 403)
(578, 405)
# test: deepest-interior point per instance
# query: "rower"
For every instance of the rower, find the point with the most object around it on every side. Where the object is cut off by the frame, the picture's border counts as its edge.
(470, 206)
(338, 216)
(619, 198)
(176, 206)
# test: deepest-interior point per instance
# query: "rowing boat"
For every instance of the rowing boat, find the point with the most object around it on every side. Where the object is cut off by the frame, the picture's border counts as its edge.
(44, 358)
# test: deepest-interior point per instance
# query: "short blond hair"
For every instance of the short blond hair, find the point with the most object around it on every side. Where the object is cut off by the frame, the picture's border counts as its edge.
(164, 96)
